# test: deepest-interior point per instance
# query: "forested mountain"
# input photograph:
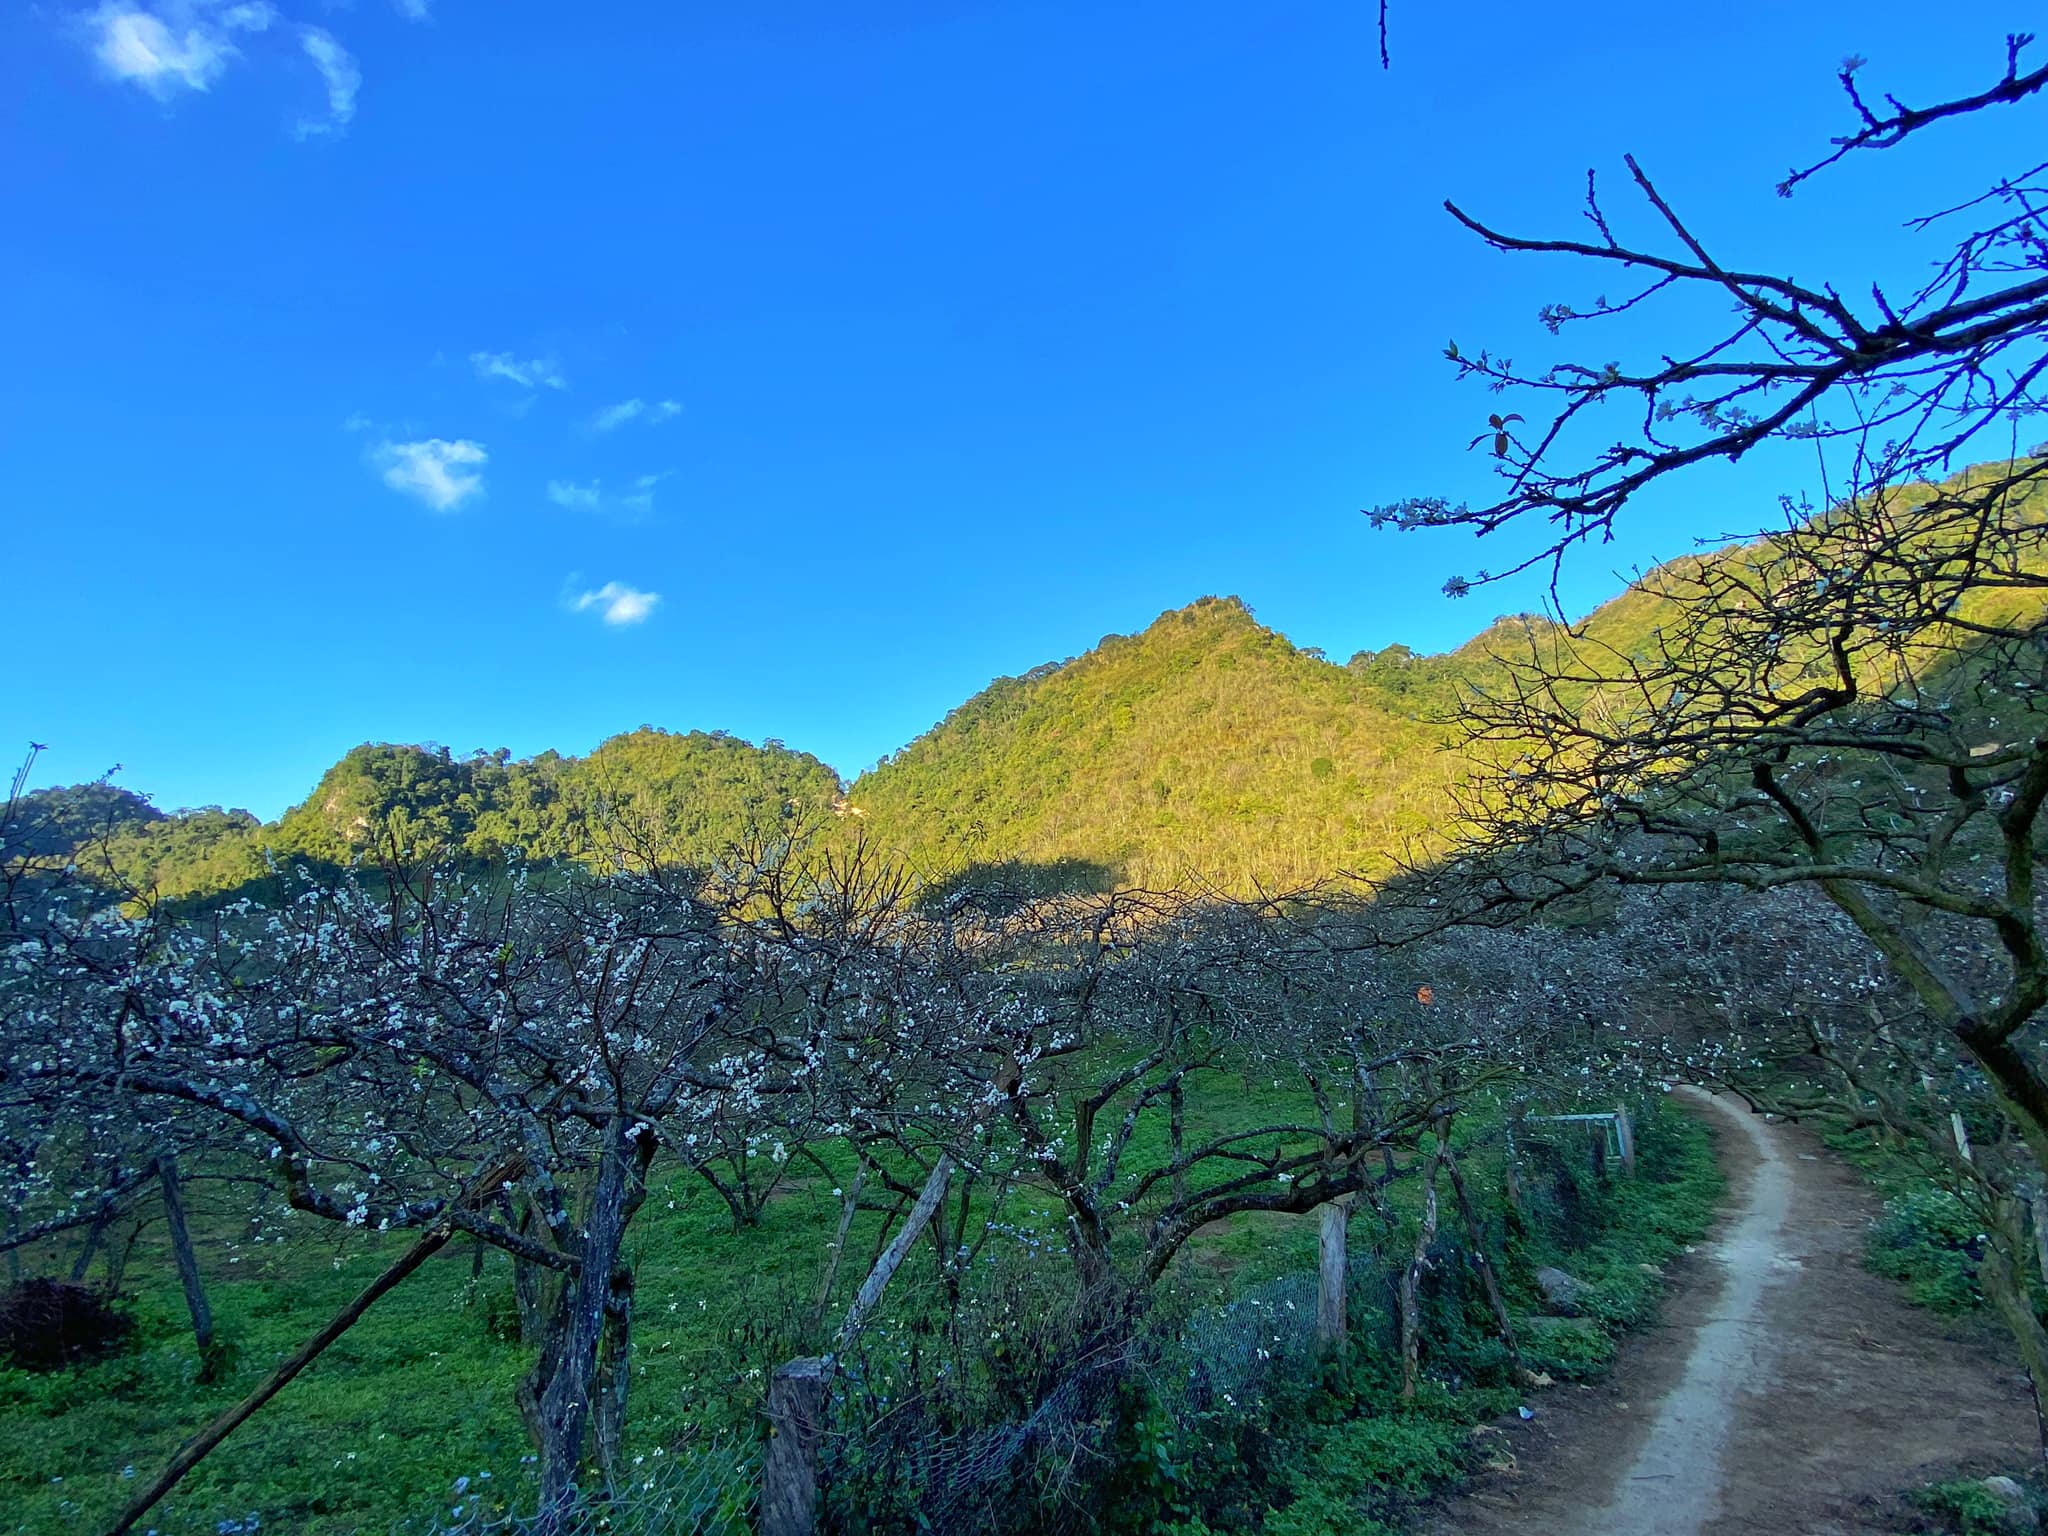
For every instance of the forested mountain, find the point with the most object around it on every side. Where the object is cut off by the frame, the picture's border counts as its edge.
(647, 794)
(1204, 746)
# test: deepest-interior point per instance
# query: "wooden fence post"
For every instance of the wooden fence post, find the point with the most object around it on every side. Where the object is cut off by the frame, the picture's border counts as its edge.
(1625, 1134)
(1330, 1280)
(1599, 1151)
(1511, 1164)
(789, 1470)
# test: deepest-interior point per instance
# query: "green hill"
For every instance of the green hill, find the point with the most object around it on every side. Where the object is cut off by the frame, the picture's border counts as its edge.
(673, 797)
(1206, 746)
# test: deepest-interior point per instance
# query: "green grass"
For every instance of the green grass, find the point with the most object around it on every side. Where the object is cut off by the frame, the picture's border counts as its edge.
(1358, 1474)
(420, 1394)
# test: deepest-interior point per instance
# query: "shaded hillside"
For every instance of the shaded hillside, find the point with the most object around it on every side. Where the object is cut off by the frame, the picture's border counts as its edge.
(53, 821)
(1205, 746)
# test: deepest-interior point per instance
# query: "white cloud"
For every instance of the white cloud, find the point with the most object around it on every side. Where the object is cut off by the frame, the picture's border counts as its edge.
(617, 603)
(578, 498)
(178, 45)
(440, 473)
(414, 10)
(636, 409)
(613, 416)
(357, 422)
(527, 375)
(338, 69)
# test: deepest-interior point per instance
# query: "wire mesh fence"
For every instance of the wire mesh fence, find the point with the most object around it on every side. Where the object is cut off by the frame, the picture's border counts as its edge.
(954, 1466)
(712, 1492)
(1040, 1470)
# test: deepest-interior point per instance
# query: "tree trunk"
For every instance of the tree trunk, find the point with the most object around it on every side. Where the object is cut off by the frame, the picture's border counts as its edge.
(94, 1236)
(2006, 1289)
(1177, 1125)
(117, 1258)
(2039, 1203)
(181, 1247)
(1411, 1278)
(735, 1199)
(529, 1281)
(564, 1403)
(850, 1205)
(614, 1375)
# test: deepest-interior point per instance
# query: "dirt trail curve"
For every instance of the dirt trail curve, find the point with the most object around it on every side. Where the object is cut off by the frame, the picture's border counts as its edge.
(1788, 1390)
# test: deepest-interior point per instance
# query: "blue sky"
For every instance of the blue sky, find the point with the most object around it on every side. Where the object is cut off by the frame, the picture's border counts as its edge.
(511, 374)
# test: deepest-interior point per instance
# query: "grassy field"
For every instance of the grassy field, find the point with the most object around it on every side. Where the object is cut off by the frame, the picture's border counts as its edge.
(419, 1396)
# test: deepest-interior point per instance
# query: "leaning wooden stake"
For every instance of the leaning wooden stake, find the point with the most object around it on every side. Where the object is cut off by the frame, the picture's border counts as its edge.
(1475, 1234)
(197, 1448)
(913, 1227)
(188, 1261)
(201, 1445)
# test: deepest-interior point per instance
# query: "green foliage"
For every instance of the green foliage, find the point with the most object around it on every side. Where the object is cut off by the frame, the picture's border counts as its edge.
(645, 796)
(48, 821)
(1567, 1348)
(1337, 1452)
(1967, 1508)
(1206, 746)
(1928, 1240)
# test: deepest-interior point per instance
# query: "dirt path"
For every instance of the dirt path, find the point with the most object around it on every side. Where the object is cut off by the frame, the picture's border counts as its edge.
(1788, 1390)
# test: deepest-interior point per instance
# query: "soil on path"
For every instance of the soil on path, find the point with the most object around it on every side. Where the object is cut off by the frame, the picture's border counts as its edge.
(1788, 1389)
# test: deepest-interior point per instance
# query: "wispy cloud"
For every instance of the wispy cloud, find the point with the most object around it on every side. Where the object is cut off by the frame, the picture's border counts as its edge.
(530, 374)
(342, 78)
(441, 473)
(613, 417)
(414, 10)
(633, 503)
(179, 45)
(578, 498)
(641, 497)
(616, 603)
